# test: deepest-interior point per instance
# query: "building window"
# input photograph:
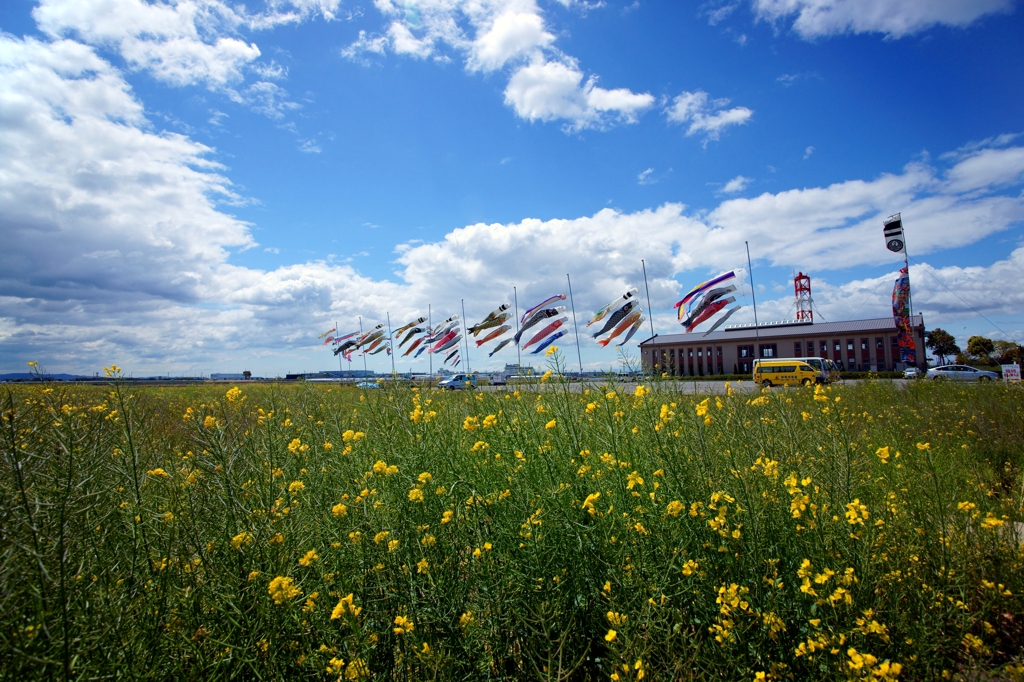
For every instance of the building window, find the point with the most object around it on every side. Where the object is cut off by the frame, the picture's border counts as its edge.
(863, 344)
(721, 364)
(824, 349)
(810, 348)
(769, 350)
(849, 344)
(797, 349)
(746, 352)
(879, 343)
(837, 347)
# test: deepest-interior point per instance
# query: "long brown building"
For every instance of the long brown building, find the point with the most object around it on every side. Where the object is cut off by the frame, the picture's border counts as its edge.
(857, 345)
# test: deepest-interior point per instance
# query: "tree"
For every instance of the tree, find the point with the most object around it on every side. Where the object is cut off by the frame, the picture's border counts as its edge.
(980, 349)
(942, 344)
(1008, 353)
(247, 374)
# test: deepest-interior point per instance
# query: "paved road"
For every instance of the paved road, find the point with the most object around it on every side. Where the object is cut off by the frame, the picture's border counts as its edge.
(690, 387)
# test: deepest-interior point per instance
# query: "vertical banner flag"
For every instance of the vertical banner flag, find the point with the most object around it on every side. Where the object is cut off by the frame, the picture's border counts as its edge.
(893, 229)
(901, 315)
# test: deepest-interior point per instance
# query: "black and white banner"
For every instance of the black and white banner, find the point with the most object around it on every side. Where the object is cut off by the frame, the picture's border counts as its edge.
(893, 229)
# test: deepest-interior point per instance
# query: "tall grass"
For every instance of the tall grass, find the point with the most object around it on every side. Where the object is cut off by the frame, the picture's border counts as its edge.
(308, 531)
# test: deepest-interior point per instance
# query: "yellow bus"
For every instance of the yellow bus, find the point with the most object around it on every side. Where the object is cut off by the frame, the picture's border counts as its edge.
(787, 373)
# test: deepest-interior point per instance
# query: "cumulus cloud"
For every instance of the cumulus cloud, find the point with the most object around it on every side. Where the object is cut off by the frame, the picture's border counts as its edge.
(118, 245)
(737, 184)
(494, 35)
(706, 116)
(185, 42)
(894, 18)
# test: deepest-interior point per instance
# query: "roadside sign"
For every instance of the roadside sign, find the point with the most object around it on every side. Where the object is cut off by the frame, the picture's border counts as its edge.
(1011, 372)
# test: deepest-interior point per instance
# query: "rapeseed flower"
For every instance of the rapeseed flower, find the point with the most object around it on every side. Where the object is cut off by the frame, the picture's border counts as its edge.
(296, 486)
(283, 589)
(403, 625)
(309, 558)
(209, 422)
(416, 495)
(610, 637)
(339, 510)
(551, 351)
(588, 503)
(243, 539)
(345, 605)
(381, 536)
(157, 472)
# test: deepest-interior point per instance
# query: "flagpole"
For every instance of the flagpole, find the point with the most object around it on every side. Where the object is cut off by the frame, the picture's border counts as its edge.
(750, 274)
(519, 357)
(391, 344)
(465, 333)
(650, 310)
(360, 338)
(575, 328)
(339, 354)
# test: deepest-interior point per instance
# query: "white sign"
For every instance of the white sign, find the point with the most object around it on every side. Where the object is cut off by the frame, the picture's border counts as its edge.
(1011, 372)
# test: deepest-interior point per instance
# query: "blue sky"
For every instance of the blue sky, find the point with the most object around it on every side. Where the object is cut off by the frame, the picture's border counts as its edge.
(206, 186)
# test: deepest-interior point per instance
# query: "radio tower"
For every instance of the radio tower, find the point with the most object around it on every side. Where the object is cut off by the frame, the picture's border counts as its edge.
(802, 287)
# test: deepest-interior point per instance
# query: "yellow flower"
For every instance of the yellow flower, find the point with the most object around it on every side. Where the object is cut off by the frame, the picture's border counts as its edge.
(283, 589)
(883, 454)
(296, 486)
(610, 395)
(641, 391)
(335, 666)
(424, 478)
(634, 479)
(588, 503)
(339, 510)
(551, 350)
(471, 423)
(690, 567)
(480, 445)
(924, 446)
(415, 495)
(381, 536)
(209, 422)
(169, 516)
(33, 363)
(276, 539)
(610, 636)
(157, 472)
(547, 375)
(243, 539)
(344, 606)
(422, 566)
(357, 669)
(428, 541)
(988, 522)
(550, 424)
(702, 407)
(404, 625)
(309, 558)
(447, 516)
(616, 618)
(466, 619)
(328, 445)
(355, 537)
(856, 513)
(233, 394)
(392, 545)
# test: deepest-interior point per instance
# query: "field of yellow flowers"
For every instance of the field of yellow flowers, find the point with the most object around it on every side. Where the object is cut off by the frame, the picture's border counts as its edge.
(307, 531)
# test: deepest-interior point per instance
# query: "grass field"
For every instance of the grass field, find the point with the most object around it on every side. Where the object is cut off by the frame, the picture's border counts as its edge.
(318, 532)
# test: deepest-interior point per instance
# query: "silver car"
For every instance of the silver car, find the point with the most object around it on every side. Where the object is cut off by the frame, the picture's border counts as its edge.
(960, 373)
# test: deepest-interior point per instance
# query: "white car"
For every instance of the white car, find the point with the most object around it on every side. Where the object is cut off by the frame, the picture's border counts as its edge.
(457, 381)
(911, 373)
(960, 373)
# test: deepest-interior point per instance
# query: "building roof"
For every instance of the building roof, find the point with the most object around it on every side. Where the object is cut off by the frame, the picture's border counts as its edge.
(771, 330)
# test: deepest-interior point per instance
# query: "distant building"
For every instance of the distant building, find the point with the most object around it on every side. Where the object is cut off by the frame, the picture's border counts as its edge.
(228, 377)
(518, 370)
(857, 345)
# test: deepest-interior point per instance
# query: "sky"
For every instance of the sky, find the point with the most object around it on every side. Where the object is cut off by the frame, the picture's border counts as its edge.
(207, 186)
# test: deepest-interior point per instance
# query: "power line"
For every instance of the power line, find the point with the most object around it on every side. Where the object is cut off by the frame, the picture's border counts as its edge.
(965, 302)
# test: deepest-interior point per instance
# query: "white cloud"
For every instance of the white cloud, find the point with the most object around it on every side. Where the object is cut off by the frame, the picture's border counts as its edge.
(186, 42)
(510, 36)
(116, 249)
(553, 90)
(310, 147)
(737, 184)
(492, 35)
(644, 178)
(894, 18)
(705, 116)
(808, 152)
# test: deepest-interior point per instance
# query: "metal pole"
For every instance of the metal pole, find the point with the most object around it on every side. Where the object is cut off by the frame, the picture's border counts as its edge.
(750, 273)
(519, 357)
(650, 310)
(391, 344)
(360, 337)
(465, 333)
(430, 332)
(574, 326)
(339, 354)
(910, 295)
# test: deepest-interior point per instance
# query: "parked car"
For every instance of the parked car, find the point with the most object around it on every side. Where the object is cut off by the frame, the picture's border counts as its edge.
(457, 381)
(498, 380)
(368, 384)
(960, 373)
(911, 373)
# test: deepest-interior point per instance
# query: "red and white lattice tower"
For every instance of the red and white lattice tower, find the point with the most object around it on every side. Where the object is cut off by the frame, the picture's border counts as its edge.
(802, 287)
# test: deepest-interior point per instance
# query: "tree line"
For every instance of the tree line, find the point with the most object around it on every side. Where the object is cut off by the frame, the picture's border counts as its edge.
(980, 350)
